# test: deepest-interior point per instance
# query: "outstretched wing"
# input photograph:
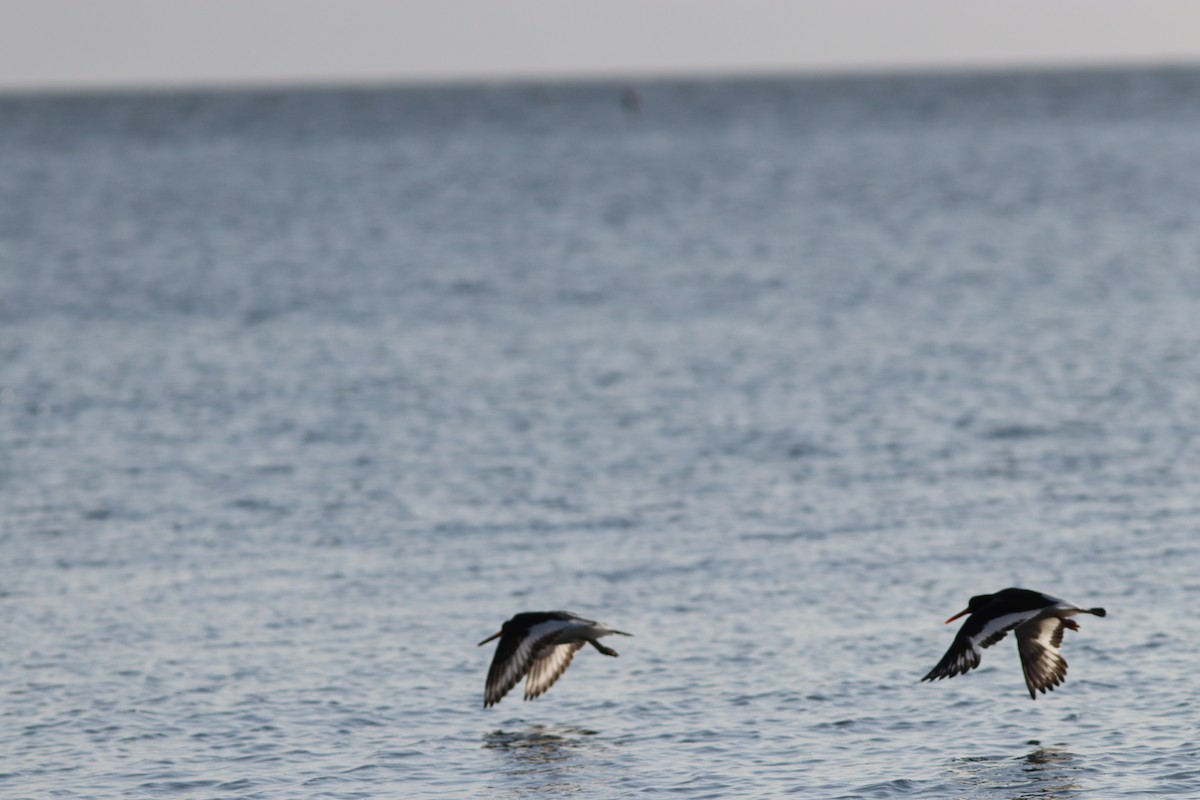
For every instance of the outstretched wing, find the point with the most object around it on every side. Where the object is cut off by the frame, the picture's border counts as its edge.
(1038, 642)
(975, 634)
(549, 667)
(515, 654)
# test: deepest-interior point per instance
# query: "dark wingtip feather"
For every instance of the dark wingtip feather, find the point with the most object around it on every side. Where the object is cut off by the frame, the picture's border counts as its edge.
(1099, 612)
(937, 674)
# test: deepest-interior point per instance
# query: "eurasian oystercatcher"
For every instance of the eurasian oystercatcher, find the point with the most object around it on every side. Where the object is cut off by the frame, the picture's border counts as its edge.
(540, 644)
(1039, 620)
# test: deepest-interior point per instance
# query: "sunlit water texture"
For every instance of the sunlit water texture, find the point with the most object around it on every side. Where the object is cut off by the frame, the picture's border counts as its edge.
(303, 394)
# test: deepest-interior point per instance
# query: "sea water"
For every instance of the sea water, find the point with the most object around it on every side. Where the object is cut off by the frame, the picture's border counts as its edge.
(304, 393)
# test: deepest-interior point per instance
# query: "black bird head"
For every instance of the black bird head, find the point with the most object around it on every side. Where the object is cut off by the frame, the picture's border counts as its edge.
(975, 605)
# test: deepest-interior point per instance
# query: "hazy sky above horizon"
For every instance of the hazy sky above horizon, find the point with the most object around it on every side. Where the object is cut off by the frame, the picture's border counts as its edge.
(52, 44)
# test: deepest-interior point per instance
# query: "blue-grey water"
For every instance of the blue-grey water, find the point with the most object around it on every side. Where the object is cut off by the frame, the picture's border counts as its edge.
(303, 393)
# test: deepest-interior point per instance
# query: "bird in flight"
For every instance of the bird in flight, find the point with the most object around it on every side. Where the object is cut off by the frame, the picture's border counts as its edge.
(1038, 621)
(539, 646)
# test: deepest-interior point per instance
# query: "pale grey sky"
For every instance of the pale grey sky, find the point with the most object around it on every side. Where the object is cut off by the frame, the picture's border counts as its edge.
(135, 43)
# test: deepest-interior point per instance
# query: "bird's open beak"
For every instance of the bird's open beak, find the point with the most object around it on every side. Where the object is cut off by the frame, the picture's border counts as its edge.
(964, 612)
(495, 635)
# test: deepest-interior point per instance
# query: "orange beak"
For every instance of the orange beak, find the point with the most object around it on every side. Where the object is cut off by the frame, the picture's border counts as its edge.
(964, 612)
(495, 635)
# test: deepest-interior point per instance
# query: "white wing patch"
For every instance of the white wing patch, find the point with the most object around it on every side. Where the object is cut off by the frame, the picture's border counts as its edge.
(549, 667)
(1038, 642)
(995, 629)
(966, 651)
(518, 663)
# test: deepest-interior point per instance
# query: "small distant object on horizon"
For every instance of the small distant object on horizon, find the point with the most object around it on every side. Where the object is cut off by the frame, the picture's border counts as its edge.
(1037, 618)
(631, 100)
(540, 645)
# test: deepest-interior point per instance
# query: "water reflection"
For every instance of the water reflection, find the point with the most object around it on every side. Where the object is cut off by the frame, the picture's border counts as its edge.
(1050, 774)
(1045, 773)
(543, 759)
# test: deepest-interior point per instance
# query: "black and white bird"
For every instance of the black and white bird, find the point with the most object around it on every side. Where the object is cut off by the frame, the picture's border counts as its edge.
(1038, 621)
(539, 644)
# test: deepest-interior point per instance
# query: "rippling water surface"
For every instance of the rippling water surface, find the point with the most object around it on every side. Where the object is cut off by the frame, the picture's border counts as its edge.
(302, 394)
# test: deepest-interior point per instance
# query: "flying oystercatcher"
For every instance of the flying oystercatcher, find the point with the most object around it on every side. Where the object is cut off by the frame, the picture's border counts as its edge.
(540, 644)
(1039, 620)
